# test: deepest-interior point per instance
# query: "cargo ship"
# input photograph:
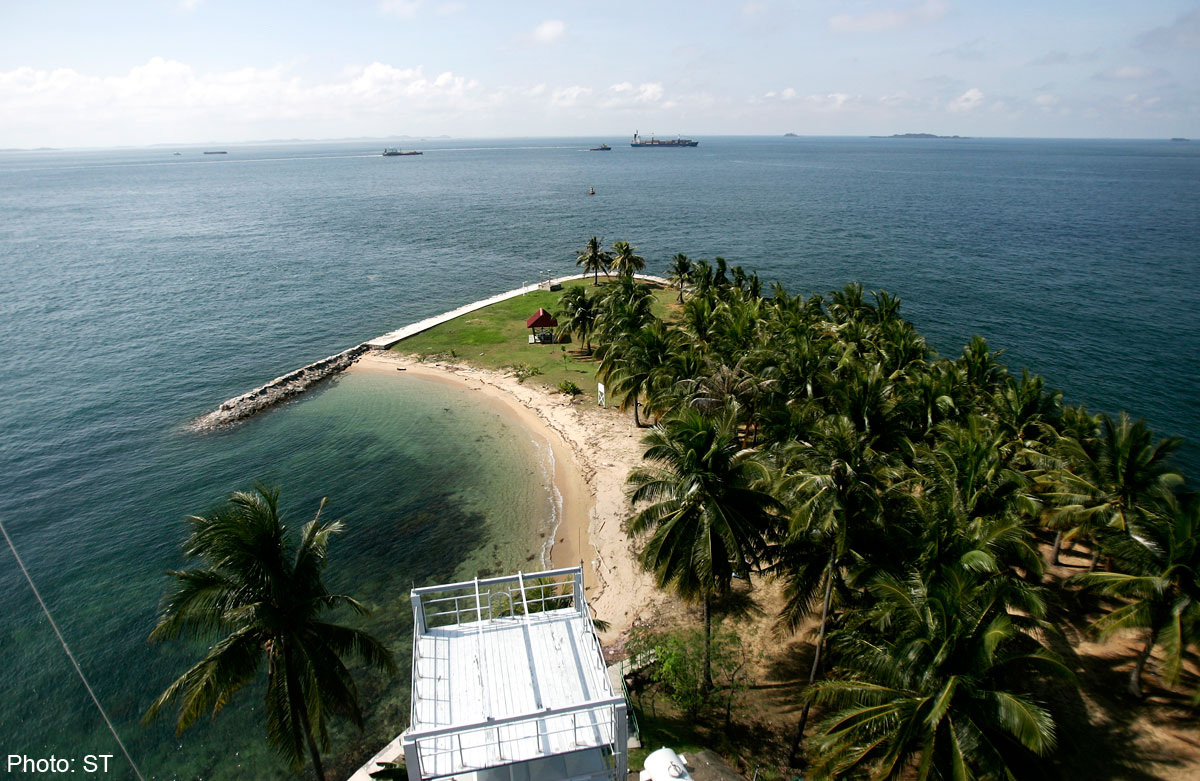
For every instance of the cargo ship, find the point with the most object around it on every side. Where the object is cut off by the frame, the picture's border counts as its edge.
(639, 141)
(398, 153)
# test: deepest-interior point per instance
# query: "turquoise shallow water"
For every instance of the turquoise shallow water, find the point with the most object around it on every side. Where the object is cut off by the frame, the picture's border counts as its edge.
(431, 485)
(139, 289)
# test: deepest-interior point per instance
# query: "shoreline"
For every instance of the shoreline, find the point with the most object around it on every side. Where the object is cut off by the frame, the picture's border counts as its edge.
(294, 383)
(593, 450)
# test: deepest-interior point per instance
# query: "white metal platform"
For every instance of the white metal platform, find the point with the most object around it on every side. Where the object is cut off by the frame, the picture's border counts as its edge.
(508, 673)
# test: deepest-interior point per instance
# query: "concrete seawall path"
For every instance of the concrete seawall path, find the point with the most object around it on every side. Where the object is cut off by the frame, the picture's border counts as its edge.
(294, 383)
(393, 337)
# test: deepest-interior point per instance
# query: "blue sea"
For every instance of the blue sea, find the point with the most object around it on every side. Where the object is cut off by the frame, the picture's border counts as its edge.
(139, 289)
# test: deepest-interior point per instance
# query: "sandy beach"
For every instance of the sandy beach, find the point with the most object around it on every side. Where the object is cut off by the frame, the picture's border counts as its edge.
(594, 449)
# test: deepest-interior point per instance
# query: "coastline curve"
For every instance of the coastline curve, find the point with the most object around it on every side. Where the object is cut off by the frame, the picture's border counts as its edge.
(294, 383)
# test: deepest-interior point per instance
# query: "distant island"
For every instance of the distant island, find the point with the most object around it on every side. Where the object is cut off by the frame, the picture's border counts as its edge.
(1180, 139)
(917, 135)
(790, 135)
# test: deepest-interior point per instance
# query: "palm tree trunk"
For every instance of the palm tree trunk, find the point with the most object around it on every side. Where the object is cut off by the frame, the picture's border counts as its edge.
(637, 422)
(708, 679)
(300, 711)
(1135, 678)
(812, 673)
(1057, 547)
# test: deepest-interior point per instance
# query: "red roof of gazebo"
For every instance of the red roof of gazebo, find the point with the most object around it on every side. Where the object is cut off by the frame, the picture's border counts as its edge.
(542, 319)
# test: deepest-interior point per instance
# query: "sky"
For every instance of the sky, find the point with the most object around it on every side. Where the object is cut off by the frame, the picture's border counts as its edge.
(138, 72)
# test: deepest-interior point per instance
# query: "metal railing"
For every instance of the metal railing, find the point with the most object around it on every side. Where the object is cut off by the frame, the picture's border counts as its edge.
(498, 740)
(633, 721)
(518, 739)
(488, 599)
(491, 598)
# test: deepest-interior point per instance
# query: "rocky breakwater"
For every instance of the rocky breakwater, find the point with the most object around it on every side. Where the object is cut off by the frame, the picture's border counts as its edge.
(279, 389)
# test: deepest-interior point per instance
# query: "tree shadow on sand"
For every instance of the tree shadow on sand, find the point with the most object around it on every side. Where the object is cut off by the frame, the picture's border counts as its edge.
(1101, 727)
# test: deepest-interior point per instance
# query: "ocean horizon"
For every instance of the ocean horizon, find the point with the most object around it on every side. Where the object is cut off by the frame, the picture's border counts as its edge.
(141, 289)
(383, 140)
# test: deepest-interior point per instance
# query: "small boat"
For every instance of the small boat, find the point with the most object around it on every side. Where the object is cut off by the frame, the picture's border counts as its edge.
(176, 153)
(601, 148)
(216, 153)
(398, 153)
(592, 191)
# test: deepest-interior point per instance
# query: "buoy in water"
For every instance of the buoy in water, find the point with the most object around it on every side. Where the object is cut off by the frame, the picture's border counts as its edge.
(592, 191)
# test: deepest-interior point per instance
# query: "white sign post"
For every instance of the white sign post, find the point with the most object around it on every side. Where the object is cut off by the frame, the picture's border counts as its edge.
(601, 397)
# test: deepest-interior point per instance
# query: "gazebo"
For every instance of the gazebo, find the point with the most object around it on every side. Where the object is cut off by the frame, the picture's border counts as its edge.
(542, 324)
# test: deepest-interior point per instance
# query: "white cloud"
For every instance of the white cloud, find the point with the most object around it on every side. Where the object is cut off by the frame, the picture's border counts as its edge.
(622, 96)
(1136, 102)
(1046, 100)
(821, 101)
(167, 100)
(627, 95)
(1057, 57)
(549, 31)
(569, 96)
(1183, 33)
(404, 9)
(897, 99)
(753, 8)
(189, 5)
(971, 51)
(830, 101)
(1128, 73)
(889, 19)
(967, 101)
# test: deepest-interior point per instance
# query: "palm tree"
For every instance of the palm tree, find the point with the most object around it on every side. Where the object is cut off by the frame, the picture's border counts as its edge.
(733, 386)
(702, 276)
(708, 521)
(637, 366)
(1163, 592)
(624, 309)
(594, 259)
(834, 488)
(624, 260)
(698, 318)
(263, 592)
(1027, 412)
(984, 374)
(719, 279)
(1116, 483)
(936, 677)
(577, 313)
(680, 272)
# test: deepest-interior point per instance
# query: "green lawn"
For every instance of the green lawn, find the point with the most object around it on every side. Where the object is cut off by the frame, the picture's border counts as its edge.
(496, 336)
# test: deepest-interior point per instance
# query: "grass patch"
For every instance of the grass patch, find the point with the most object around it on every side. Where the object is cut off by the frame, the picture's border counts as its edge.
(745, 747)
(666, 730)
(495, 337)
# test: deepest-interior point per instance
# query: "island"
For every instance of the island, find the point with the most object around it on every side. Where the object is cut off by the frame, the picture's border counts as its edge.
(669, 404)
